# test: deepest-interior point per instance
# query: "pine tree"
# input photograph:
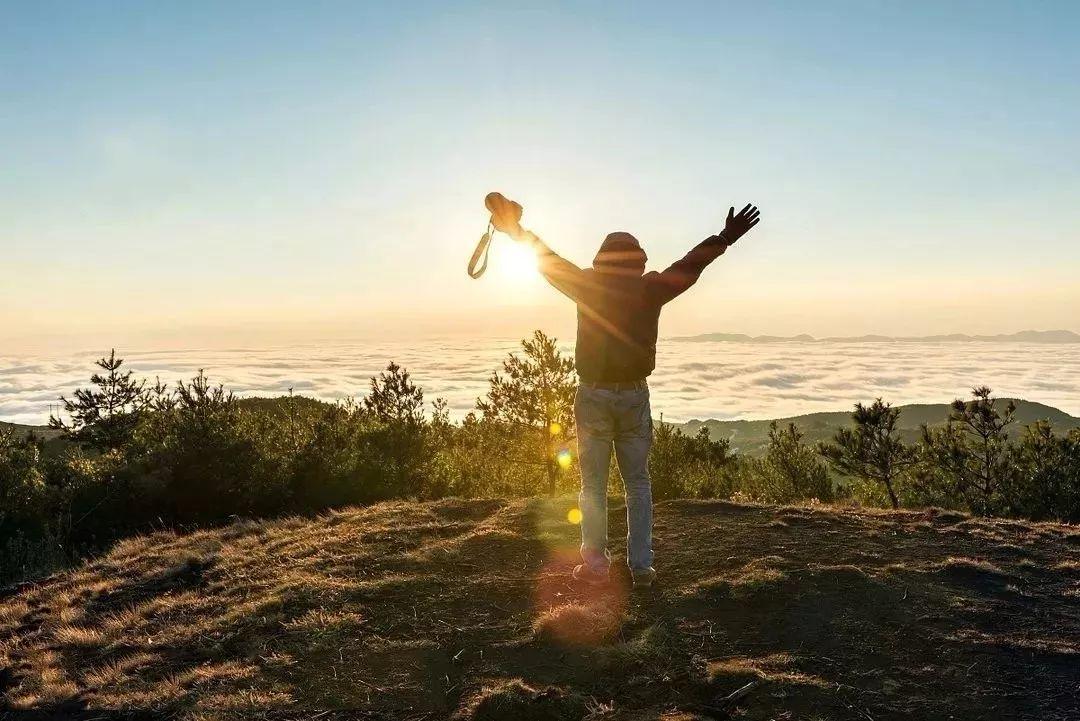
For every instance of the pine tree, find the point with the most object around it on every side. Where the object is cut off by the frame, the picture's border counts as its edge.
(535, 394)
(103, 417)
(872, 450)
(394, 398)
(970, 458)
(401, 440)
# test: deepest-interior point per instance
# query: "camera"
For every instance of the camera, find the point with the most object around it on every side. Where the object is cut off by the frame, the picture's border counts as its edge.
(505, 216)
(505, 213)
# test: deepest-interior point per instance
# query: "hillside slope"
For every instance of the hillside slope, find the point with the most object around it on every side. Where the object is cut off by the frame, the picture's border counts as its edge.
(426, 610)
(752, 437)
(22, 430)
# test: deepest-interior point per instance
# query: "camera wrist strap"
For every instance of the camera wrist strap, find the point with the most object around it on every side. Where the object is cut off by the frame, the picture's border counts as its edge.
(481, 254)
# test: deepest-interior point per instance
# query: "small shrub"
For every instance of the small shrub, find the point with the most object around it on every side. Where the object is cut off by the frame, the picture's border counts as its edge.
(23, 557)
(683, 466)
(790, 470)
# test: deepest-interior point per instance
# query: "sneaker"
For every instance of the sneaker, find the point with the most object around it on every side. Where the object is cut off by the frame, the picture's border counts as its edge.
(643, 578)
(586, 574)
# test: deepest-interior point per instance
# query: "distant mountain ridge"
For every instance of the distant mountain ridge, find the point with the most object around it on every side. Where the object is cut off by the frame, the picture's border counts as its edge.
(1024, 336)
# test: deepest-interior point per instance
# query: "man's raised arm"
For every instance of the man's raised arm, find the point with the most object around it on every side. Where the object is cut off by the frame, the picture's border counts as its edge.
(566, 277)
(684, 272)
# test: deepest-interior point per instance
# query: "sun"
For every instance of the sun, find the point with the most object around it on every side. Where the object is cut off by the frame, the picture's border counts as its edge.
(514, 262)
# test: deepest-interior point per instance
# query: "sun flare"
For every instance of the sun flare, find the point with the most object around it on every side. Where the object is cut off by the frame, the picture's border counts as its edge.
(514, 262)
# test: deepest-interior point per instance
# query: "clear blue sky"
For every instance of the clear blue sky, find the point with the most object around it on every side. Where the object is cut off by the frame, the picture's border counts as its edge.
(319, 168)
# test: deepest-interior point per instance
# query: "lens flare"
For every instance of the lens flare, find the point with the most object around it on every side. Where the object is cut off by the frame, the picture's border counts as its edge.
(564, 459)
(556, 429)
(574, 516)
(515, 262)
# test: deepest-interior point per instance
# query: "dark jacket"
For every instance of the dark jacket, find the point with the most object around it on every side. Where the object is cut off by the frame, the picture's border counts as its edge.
(618, 304)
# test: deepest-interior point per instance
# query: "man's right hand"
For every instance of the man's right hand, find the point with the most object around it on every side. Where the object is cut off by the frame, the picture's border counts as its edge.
(505, 214)
(738, 225)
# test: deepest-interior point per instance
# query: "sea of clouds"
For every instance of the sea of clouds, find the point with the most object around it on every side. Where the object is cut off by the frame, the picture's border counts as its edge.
(693, 380)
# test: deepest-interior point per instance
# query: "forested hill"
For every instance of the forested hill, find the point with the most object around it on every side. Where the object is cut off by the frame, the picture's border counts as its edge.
(748, 436)
(752, 437)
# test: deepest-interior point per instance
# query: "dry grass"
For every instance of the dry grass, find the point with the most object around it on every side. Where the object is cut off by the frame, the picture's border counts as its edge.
(425, 611)
(971, 565)
(574, 624)
(773, 668)
(759, 575)
(516, 701)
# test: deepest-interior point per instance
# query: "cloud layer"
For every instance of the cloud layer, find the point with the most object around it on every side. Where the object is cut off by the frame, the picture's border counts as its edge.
(692, 380)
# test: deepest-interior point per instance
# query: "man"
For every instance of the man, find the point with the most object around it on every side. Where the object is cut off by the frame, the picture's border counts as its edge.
(618, 311)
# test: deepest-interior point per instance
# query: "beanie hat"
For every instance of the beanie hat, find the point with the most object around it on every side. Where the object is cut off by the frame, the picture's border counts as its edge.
(620, 250)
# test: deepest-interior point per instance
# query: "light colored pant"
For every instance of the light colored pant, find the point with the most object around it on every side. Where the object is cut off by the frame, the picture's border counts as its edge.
(622, 419)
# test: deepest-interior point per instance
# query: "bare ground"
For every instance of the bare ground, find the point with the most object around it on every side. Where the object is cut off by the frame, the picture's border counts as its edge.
(464, 608)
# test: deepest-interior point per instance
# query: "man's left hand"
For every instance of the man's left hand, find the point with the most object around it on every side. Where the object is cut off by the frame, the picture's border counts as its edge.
(738, 225)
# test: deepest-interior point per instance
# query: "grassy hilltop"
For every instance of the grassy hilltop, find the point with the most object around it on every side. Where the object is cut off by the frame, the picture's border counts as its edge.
(428, 610)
